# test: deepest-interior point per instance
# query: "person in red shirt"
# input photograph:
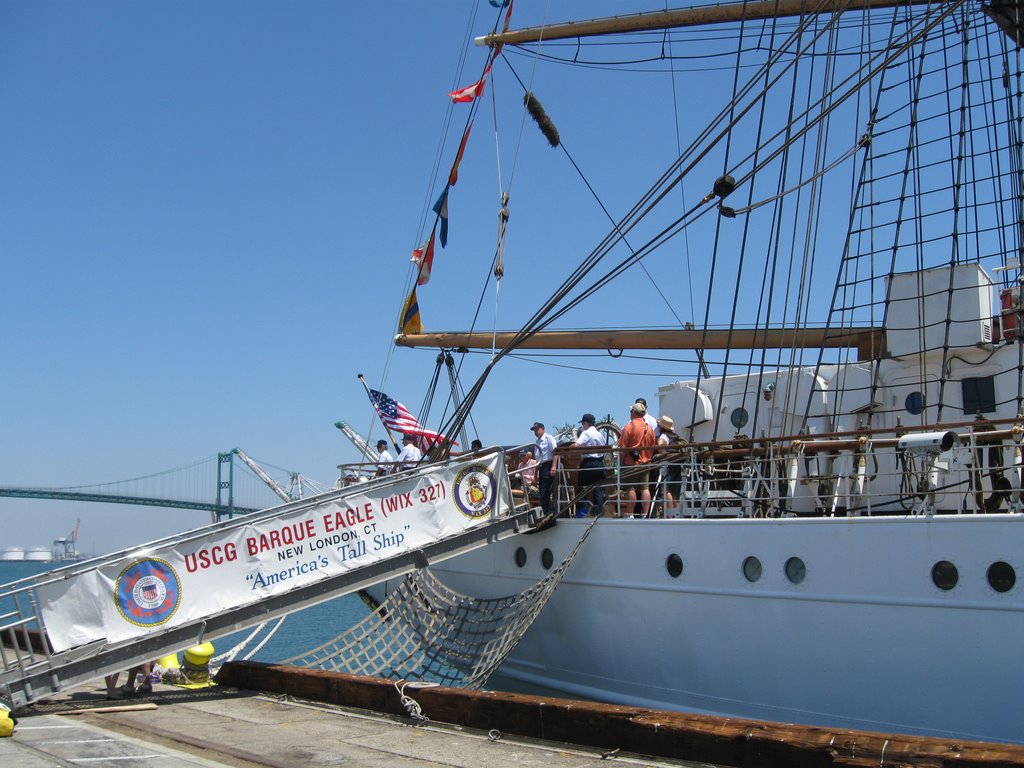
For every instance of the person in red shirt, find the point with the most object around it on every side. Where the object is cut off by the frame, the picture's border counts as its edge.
(638, 441)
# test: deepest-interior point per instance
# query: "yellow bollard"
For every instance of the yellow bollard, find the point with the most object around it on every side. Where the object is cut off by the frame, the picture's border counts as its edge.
(199, 655)
(169, 669)
(196, 669)
(170, 661)
(7, 721)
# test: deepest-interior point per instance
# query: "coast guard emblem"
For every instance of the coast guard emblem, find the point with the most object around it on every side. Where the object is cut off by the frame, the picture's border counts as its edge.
(475, 490)
(147, 592)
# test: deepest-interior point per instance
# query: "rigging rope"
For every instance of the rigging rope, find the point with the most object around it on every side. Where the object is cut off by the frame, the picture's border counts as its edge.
(667, 43)
(413, 270)
(547, 313)
(814, 116)
(633, 258)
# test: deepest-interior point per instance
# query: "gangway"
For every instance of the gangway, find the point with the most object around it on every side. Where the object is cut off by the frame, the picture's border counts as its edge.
(92, 618)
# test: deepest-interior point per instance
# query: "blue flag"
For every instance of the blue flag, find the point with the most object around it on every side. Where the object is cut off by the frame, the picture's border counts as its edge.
(441, 209)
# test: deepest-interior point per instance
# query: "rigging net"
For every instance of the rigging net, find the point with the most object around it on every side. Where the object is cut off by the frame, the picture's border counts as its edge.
(425, 631)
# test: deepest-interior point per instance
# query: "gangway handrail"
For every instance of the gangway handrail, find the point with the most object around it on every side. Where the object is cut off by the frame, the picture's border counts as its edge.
(59, 668)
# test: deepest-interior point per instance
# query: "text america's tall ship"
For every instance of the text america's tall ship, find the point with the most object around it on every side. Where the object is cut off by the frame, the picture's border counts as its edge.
(845, 543)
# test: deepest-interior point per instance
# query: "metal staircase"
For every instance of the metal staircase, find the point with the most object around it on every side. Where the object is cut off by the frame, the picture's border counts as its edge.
(33, 670)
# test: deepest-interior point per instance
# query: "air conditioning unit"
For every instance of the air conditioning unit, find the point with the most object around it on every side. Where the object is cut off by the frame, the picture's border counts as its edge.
(934, 308)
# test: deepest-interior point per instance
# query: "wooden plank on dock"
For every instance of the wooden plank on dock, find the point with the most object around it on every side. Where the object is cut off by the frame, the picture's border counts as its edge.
(659, 733)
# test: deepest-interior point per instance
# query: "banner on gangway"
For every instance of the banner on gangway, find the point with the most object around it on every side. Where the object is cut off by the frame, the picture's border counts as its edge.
(250, 559)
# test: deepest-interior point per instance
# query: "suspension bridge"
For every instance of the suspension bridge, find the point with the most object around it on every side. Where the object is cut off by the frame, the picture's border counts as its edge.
(225, 485)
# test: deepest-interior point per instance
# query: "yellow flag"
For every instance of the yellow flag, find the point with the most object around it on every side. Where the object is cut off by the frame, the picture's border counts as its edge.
(411, 315)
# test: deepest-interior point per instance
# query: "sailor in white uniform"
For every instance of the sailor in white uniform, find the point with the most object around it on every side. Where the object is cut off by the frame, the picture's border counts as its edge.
(547, 463)
(410, 455)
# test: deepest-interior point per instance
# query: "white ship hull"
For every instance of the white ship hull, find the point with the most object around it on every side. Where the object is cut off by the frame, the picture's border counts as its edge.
(866, 640)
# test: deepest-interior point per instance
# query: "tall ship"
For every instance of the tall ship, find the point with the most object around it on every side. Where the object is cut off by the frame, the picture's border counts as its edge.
(836, 528)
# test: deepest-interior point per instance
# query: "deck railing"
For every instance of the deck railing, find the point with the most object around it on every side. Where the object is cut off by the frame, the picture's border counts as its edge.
(960, 468)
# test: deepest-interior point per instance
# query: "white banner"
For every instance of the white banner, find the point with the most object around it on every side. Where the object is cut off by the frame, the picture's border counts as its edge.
(245, 562)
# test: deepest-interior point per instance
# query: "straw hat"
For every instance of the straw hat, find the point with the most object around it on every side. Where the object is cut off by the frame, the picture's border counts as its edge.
(666, 423)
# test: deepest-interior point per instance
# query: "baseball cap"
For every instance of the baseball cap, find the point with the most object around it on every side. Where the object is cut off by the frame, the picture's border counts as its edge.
(536, 425)
(588, 417)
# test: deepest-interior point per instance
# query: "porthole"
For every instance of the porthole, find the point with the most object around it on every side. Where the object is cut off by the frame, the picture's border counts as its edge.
(945, 575)
(752, 569)
(914, 403)
(739, 417)
(520, 557)
(546, 558)
(1001, 576)
(796, 571)
(674, 565)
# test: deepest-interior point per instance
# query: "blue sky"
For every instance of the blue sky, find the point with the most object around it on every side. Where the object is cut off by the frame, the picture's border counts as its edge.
(206, 216)
(207, 211)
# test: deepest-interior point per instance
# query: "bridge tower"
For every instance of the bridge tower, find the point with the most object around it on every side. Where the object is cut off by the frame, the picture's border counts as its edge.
(229, 484)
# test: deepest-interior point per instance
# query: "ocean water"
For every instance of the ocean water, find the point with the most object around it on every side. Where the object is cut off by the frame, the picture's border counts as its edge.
(300, 632)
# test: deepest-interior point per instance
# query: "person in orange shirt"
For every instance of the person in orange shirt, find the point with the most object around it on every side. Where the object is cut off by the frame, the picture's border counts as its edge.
(638, 441)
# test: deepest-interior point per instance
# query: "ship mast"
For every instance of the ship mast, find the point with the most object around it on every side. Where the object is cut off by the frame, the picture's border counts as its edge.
(686, 17)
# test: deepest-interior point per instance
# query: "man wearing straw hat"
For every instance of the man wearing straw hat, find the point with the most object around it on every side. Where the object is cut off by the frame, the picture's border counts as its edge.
(671, 471)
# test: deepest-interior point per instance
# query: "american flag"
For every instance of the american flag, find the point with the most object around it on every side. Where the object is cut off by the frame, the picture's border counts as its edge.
(397, 418)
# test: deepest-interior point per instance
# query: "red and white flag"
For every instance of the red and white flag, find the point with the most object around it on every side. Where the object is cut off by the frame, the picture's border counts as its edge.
(470, 92)
(424, 256)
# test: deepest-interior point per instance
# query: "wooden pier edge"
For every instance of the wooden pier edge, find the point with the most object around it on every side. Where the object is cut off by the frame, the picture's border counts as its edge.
(657, 733)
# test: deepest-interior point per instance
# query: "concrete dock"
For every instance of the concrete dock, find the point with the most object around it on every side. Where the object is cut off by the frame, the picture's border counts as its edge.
(276, 716)
(226, 727)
